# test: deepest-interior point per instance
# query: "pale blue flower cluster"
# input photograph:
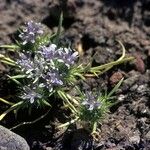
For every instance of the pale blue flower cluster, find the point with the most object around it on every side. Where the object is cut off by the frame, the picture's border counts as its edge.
(91, 101)
(32, 67)
(30, 32)
(47, 66)
(64, 55)
(30, 94)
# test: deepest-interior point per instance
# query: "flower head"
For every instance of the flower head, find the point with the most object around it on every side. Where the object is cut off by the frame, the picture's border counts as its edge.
(30, 32)
(53, 79)
(67, 56)
(48, 53)
(25, 62)
(49, 66)
(30, 94)
(91, 101)
(64, 55)
(32, 67)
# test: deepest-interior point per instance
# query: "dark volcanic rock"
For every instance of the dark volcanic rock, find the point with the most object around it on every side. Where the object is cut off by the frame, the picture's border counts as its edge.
(11, 141)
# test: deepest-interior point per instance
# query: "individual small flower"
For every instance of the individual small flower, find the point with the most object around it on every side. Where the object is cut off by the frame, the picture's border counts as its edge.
(32, 67)
(30, 32)
(25, 62)
(48, 53)
(67, 56)
(64, 55)
(48, 66)
(30, 94)
(53, 79)
(91, 101)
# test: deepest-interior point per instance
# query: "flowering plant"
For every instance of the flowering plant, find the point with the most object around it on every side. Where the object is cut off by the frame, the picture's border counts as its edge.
(44, 68)
(92, 108)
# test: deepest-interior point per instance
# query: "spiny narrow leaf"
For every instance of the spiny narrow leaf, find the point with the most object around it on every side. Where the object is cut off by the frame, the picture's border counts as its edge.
(17, 76)
(6, 102)
(115, 88)
(59, 28)
(13, 107)
(7, 62)
(10, 47)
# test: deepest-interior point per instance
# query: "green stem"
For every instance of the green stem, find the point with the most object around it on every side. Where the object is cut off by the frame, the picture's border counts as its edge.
(72, 99)
(64, 97)
(10, 109)
(123, 51)
(6, 58)
(7, 62)
(6, 102)
(94, 127)
(111, 64)
(59, 29)
(30, 122)
(68, 123)
(12, 47)
(17, 76)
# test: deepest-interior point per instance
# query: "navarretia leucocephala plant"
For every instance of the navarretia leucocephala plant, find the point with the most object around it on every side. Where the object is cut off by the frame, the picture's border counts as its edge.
(45, 68)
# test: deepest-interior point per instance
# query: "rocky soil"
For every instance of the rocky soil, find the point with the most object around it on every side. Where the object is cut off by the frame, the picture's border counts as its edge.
(92, 26)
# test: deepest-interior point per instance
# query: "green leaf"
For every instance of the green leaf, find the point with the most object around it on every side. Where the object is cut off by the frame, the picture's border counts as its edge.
(79, 75)
(8, 63)
(6, 58)
(6, 102)
(65, 98)
(94, 127)
(115, 88)
(16, 81)
(10, 47)
(59, 29)
(13, 107)
(68, 123)
(108, 66)
(17, 76)
(46, 103)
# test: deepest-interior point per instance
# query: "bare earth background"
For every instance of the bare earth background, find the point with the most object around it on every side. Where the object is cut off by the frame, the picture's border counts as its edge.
(94, 24)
